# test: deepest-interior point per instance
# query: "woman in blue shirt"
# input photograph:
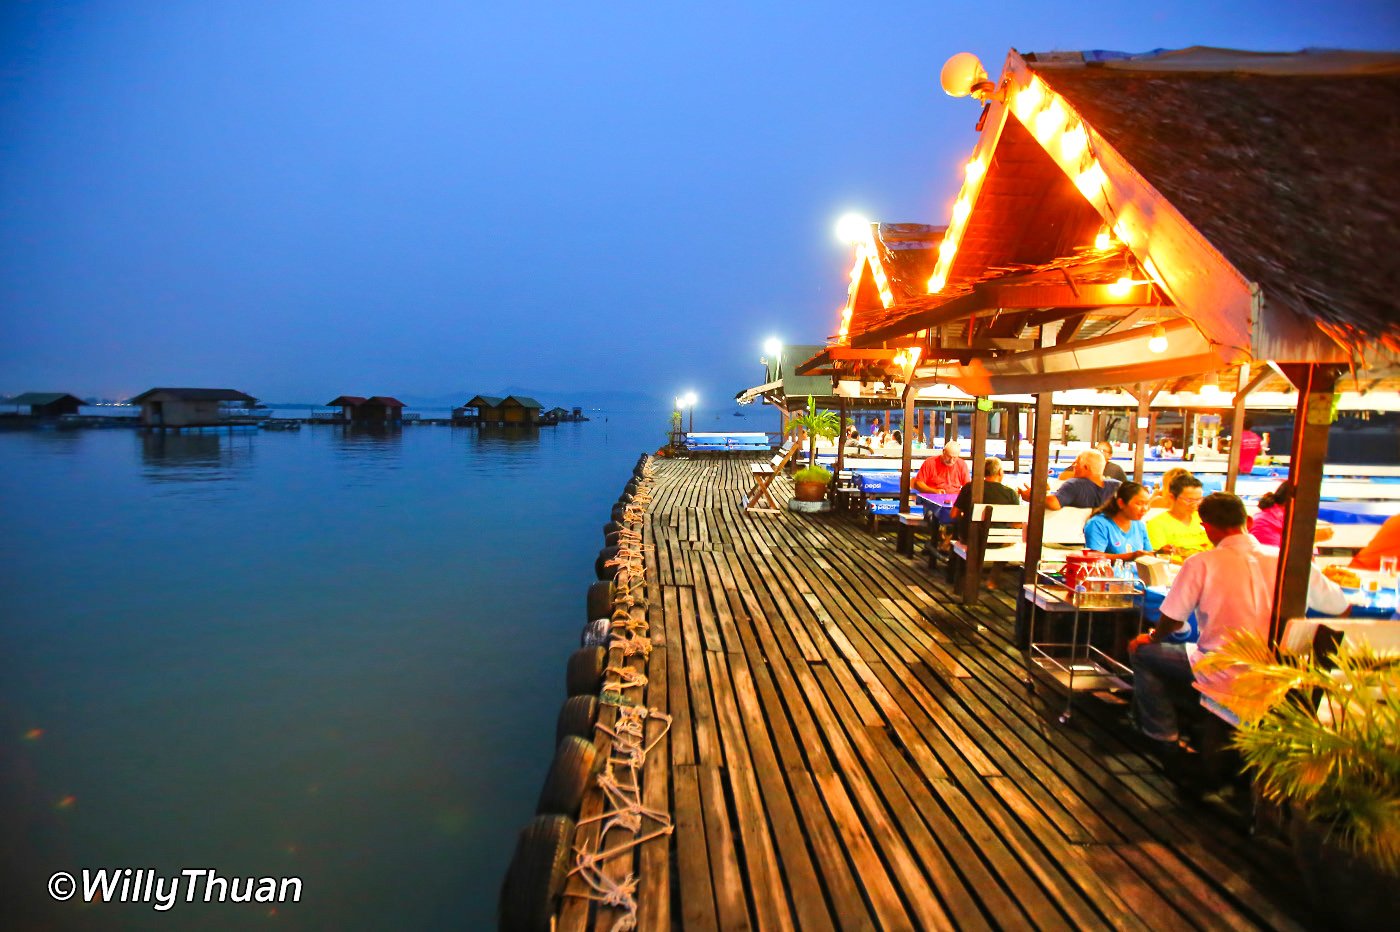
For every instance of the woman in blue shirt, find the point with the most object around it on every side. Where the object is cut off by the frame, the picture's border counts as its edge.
(1117, 528)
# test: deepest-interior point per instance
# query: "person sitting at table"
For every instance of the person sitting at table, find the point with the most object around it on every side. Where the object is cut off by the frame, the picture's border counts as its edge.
(1087, 487)
(1161, 497)
(994, 492)
(1164, 448)
(1268, 520)
(1386, 543)
(1111, 470)
(1116, 528)
(1230, 588)
(946, 473)
(897, 438)
(1178, 529)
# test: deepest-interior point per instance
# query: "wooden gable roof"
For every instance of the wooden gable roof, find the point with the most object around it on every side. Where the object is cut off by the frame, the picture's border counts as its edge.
(1284, 163)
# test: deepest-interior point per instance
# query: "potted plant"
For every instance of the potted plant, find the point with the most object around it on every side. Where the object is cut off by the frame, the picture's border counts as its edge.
(816, 425)
(1326, 743)
(810, 482)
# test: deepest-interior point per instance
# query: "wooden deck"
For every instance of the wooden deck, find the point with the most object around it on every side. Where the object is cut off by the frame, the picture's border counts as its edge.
(851, 748)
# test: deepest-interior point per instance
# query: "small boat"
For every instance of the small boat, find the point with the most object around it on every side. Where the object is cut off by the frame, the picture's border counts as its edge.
(280, 424)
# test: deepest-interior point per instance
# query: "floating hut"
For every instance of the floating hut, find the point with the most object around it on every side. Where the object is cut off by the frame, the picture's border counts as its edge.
(377, 409)
(47, 404)
(518, 409)
(486, 408)
(188, 407)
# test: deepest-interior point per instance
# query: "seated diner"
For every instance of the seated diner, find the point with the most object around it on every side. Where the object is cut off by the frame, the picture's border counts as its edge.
(1178, 530)
(945, 473)
(1267, 525)
(994, 492)
(1230, 588)
(1161, 497)
(1086, 488)
(1386, 543)
(1116, 528)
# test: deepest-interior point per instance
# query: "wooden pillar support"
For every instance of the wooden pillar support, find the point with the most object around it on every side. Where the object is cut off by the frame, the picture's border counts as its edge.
(840, 450)
(904, 539)
(1246, 385)
(1035, 524)
(972, 571)
(1316, 384)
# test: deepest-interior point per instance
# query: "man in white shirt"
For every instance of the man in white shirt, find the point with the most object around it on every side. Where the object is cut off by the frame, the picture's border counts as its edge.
(1230, 588)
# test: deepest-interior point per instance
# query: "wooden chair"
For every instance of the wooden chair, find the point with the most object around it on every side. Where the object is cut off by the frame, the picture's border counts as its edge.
(763, 476)
(995, 537)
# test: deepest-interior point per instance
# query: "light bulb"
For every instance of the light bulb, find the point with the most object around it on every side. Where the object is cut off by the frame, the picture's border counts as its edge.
(852, 228)
(773, 347)
(1211, 386)
(1158, 343)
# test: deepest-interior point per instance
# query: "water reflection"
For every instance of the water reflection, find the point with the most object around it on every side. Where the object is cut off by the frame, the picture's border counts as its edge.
(195, 457)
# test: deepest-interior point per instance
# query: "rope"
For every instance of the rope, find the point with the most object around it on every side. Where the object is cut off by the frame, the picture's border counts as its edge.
(620, 781)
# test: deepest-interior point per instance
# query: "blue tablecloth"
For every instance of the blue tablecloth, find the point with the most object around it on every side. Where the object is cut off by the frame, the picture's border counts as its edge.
(1357, 512)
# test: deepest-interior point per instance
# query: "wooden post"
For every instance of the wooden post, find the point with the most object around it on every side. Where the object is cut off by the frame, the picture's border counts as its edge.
(1316, 384)
(1094, 428)
(1035, 523)
(904, 539)
(972, 571)
(840, 449)
(950, 423)
(1139, 434)
(1016, 439)
(1246, 385)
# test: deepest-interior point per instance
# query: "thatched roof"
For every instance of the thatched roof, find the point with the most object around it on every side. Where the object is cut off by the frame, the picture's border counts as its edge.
(1291, 174)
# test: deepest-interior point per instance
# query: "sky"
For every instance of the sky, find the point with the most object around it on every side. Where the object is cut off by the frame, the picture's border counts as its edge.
(299, 198)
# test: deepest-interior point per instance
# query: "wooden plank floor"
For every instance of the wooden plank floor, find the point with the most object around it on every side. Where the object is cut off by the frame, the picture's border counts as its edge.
(853, 749)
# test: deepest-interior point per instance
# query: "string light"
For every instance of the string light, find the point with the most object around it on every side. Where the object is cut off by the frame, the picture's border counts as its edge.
(1158, 343)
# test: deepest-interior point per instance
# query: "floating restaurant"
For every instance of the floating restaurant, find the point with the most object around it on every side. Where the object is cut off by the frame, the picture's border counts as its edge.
(782, 720)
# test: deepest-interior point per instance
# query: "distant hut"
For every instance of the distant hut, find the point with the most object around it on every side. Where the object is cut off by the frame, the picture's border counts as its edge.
(518, 409)
(381, 409)
(47, 404)
(377, 409)
(487, 407)
(348, 405)
(186, 407)
(555, 415)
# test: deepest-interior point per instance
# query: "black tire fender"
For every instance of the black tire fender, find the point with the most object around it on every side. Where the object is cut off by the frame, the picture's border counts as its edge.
(585, 673)
(535, 879)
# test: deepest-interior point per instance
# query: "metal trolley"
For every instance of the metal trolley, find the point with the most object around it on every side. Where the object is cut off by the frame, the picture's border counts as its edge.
(1077, 665)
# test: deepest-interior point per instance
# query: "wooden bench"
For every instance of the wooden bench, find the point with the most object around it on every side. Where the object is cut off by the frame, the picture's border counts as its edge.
(763, 476)
(995, 537)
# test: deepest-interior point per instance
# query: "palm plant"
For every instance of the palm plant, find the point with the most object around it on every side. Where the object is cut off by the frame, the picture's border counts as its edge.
(817, 424)
(1325, 741)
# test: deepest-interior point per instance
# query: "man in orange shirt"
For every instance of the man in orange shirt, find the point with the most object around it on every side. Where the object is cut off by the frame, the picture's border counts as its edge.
(947, 472)
(1386, 543)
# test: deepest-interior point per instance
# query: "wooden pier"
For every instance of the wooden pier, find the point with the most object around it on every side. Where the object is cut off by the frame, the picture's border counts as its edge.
(852, 748)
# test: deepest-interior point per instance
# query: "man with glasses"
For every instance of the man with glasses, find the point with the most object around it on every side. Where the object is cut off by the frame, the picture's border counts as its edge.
(1179, 529)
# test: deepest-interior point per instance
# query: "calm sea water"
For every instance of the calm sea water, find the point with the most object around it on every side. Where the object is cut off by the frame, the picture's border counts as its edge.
(323, 654)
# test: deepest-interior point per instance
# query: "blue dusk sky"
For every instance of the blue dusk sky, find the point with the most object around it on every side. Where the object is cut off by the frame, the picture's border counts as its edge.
(306, 197)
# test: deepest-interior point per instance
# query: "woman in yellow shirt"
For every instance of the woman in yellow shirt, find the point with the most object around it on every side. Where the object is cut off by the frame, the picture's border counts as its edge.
(1180, 526)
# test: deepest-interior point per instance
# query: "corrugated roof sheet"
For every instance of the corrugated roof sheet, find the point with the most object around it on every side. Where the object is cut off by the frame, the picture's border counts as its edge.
(523, 401)
(342, 400)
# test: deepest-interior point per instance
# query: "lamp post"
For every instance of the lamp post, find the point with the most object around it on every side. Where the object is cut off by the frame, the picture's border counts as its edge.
(689, 399)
